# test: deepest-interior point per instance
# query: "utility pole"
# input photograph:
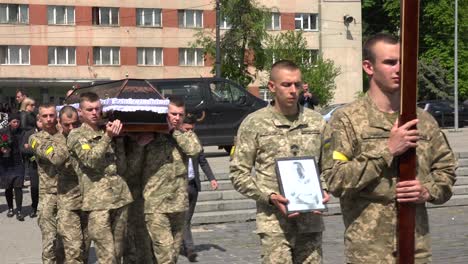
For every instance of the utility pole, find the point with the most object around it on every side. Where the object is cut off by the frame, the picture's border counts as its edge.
(455, 66)
(218, 50)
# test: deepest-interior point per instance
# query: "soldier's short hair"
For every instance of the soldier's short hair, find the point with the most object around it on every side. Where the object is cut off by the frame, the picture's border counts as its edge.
(45, 106)
(68, 110)
(190, 119)
(88, 97)
(177, 101)
(282, 64)
(367, 52)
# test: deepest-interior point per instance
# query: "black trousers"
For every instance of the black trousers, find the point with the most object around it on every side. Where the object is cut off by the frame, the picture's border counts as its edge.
(193, 196)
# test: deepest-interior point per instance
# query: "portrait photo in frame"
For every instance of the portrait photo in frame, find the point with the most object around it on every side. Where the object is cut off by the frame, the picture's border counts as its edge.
(299, 182)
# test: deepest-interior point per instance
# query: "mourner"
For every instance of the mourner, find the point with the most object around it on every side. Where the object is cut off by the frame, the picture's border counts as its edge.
(165, 191)
(282, 129)
(361, 162)
(105, 193)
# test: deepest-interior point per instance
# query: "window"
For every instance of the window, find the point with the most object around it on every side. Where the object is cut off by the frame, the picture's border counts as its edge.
(11, 14)
(14, 55)
(105, 16)
(225, 24)
(150, 56)
(61, 56)
(223, 92)
(191, 57)
(149, 17)
(106, 55)
(61, 15)
(275, 22)
(191, 91)
(190, 18)
(306, 21)
(312, 56)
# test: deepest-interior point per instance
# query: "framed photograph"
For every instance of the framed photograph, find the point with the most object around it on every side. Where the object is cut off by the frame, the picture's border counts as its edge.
(299, 182)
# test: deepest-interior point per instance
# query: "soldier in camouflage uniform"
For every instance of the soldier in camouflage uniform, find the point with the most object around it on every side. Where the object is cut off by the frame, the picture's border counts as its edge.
(138, 249)
(282, 129)
(165, 190)
(71, 222)
(105, 193)
(361, 162)
(51, 153)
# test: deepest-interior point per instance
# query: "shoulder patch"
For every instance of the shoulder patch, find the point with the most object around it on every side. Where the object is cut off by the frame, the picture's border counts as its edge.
(339, 156)
(34, 143)
(86, 147)
(49, 150)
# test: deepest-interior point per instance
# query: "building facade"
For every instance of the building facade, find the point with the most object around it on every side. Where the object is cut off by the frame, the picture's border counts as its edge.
(48, 46)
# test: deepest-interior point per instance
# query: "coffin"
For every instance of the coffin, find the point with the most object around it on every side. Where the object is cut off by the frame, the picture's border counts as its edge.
(135, 102)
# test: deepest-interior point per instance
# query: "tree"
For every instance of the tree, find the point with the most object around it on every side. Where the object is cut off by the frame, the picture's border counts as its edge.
(436, 40)
(241, 45)
(432, 81)
(320, 74)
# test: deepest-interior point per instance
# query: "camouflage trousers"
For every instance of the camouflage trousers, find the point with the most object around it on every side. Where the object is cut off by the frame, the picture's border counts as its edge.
(52, 249)
(138, 242)
(72, 227)
(107, 229)
(166, 231)
(291, 248)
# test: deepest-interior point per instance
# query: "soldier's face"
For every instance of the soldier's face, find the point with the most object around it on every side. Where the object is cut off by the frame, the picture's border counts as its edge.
(69, 123)
(90, 112)
(286, 85)
(385, 70)
(175, 115)
(47, 117)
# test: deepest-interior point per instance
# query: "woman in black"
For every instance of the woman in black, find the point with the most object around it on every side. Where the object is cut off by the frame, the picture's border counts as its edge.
(12, 169)
(27, 115)
(30, 167)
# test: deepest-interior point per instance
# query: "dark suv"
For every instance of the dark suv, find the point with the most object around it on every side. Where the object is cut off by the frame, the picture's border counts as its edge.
(444, 112)
(219, 104)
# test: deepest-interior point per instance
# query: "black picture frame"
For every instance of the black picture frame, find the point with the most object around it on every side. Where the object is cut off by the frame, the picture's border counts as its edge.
(299, 182)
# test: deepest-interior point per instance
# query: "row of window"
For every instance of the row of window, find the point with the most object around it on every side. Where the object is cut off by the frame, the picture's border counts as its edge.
(18, 55)
(145, 17)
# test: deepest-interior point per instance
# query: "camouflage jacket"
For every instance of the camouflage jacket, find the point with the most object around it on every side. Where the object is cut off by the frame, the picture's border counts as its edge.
(361, 171)
(165, 171)
(101, 186)
(262, 137)
(51, 153)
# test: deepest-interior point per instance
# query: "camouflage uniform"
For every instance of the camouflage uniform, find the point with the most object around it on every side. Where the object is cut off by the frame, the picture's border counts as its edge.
(361, 171)
(72, 222)
(51, 153)
(137, 249)
(262, 137)
(105, 193)
(165, 191)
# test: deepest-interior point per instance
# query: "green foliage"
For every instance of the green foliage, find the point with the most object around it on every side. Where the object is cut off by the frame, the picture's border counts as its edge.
(244, 38)
(436, 32)
(432, 81)
(320, 74)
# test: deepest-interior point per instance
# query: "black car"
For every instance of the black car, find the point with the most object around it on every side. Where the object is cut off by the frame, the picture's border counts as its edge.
(220, 105)
(444, 112)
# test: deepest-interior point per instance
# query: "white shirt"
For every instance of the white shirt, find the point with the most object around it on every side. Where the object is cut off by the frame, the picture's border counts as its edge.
(191, 172)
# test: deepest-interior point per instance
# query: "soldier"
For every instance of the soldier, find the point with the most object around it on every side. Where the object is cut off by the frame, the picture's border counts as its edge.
(165, 190)
(138, 247)
(50, 150)
(105, 193)
(71, 222)
(282, 129)
(361, 162)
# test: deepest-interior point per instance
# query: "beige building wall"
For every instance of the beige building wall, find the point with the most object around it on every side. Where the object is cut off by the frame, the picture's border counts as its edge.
(338, 42)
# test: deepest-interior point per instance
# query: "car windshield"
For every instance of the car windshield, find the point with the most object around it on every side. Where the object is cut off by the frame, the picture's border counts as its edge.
(327, 109)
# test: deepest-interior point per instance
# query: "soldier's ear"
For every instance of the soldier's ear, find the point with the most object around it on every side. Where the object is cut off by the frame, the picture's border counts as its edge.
(368, 67)
(271, 86)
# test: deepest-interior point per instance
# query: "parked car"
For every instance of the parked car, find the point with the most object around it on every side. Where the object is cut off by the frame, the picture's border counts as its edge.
(444, 112)
(220, 105)
(329, 110)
